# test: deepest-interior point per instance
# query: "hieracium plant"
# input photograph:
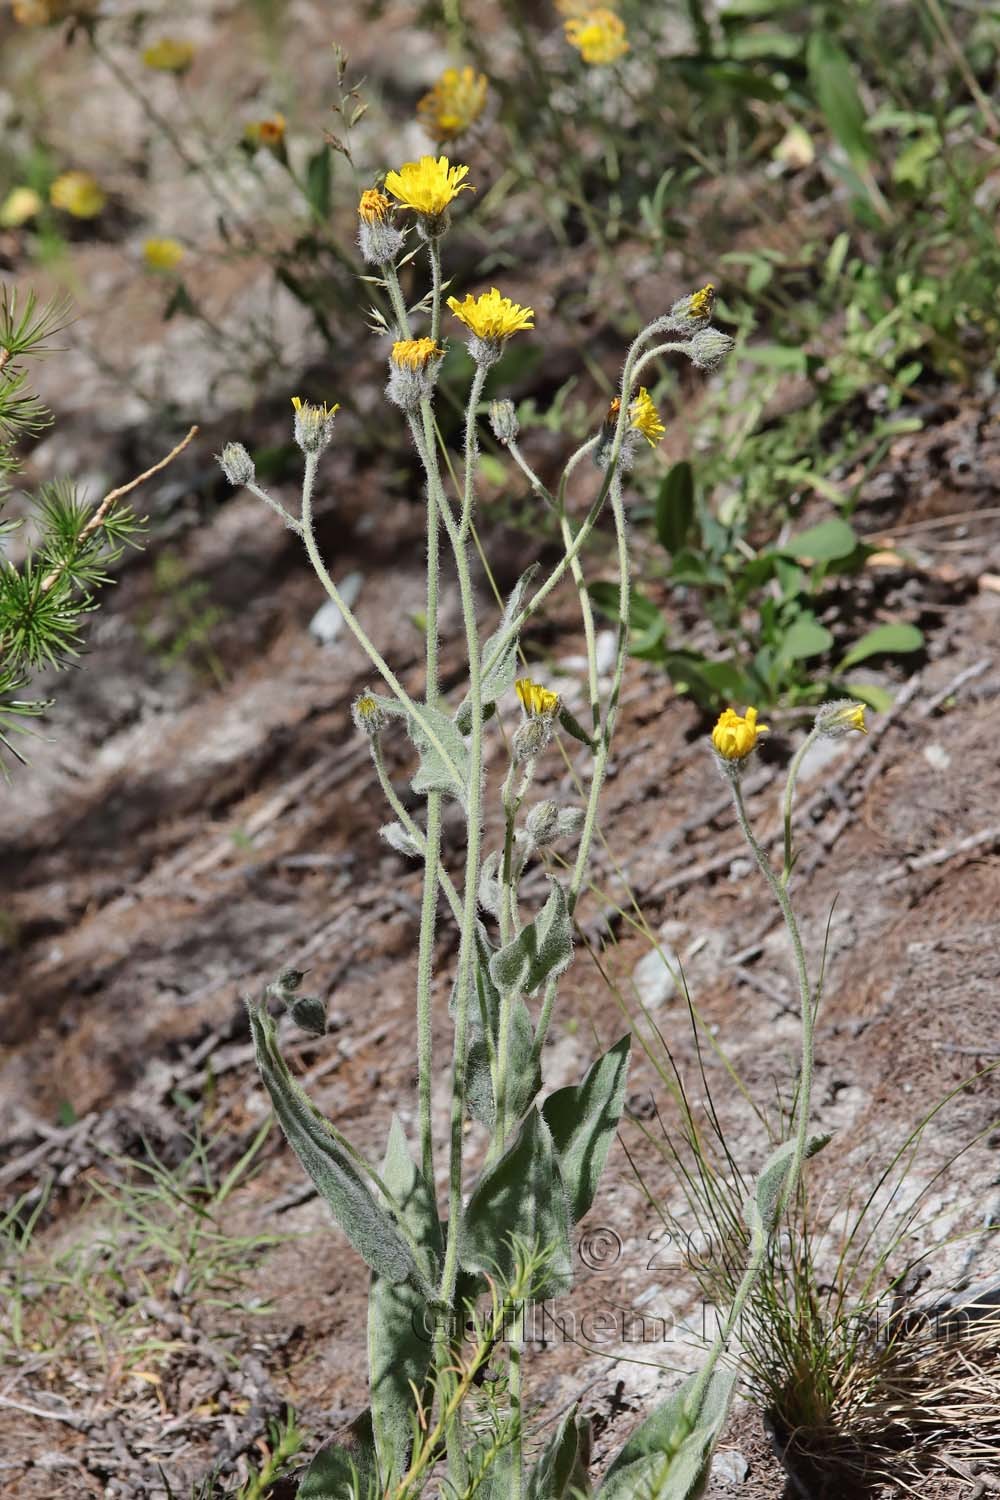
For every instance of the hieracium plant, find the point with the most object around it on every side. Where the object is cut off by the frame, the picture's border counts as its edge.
(450, 1280)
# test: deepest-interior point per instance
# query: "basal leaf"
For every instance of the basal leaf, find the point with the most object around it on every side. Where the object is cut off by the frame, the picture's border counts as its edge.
(583, 1119)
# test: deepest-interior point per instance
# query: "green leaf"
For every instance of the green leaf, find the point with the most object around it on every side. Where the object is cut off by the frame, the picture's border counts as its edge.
(832, 78)
(805, 637)
(498, 676)
(522, 1194)
(826, 542)
(318, 180)
(541, 950)
(878, 700)
(583, 1119)
(761, 1210)
(366, 1222)
(669, 1457)
(893, 640)
(675, 507)
(400, 1331)
(436, 773)
(523, 1080)
(561, 1470)
(343, 1471)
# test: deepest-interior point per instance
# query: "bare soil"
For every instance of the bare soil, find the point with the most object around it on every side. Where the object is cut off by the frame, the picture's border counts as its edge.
(179, 838)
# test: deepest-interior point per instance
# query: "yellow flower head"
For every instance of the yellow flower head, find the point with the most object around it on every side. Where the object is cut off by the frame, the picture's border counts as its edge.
(162, 255)
(538, 702)
(840, 718)
(735, 735)
(428, 185)
(453, 104)
(45, 12)
(374, 207)
(598, 35)
(644, 418)
(77, 193)
(700, 303)
(269, 133)
(415, 354)
(313, 424)
(491, 316)
(367, 714)
(169, 55)
(20, 205)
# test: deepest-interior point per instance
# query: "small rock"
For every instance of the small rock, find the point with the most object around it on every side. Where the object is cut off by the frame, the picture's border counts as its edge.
(937, 757)
(655, 976)
(731, 1467)
(326, 623)
(606, 652)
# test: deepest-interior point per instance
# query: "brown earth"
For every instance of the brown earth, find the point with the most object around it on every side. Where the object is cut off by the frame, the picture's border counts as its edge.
(179, 838)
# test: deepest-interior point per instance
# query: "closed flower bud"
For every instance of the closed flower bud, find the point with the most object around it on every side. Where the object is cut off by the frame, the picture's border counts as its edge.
(236, 463)
(289, 979)
(542, 823)
(309, 1013)
(708, 348)
(570, 822)
(531, 739)
(503, 420)
(841, 717)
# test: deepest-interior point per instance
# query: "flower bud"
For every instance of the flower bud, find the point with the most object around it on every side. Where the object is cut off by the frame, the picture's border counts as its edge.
(289, 979)
(841, 717)
(313, 424)
(708, 348)
(397, 838)
(503, 420)
(367, 714)
(309, 1013)
(236, 463)
(570, 822)
(379, 239)
(413, 368)
(531, 739)
(542, 823)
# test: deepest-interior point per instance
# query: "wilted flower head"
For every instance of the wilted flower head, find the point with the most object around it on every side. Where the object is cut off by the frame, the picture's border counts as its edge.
(503, 420)
(491, 319)
(20, 205)
(598, 35)
(162, 254)
(644, 417)
(694, 310)
(77, 193)
(378, 237)
(538, 702)
(428, 185)
(415, 354)
(169, 55)
(736, 735)
(841, 717)
(269, 133)
(453, 104)
(313, 424)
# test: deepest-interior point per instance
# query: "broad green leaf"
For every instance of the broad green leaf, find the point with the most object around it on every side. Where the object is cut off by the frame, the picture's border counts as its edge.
(675, 507)
(400, 1331)
(877, 699)
(761, 1210)
(669, 1456)
(498, 675)
(522, 1194)
(561, 1470)
(318, 178)
(436, 773)
(805, 637)
(524, 1081)
(893, 640)
(343, 1470)
(541, 950)
(832, 78)
(826, 542)
(583, 1119)
(364, 1220)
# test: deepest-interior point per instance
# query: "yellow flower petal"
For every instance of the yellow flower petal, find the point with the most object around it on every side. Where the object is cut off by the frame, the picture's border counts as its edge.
(491, 316)
(736, 735)
(453, 104)
(428, 185)
(538, 702)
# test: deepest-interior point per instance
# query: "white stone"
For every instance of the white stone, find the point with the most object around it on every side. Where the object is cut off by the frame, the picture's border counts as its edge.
(730, 1467)
(326, 623)
(655, 976)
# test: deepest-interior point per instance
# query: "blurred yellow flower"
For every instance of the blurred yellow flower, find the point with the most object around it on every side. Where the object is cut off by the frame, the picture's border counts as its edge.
(735, 735)
(492, 316)
(583, 7)
(162, 254)
(644, 418)
(415, 354)
(169, 55)
(598, 35)
(538, 702)
(44, 12)
(428, 185)
(700, 303)
(374, 207)
(453, 104)
(77, 193)
(269, 133)
(20, 205)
